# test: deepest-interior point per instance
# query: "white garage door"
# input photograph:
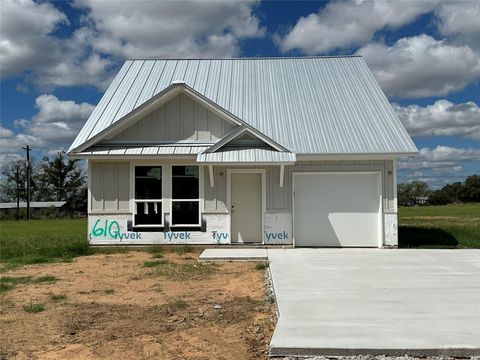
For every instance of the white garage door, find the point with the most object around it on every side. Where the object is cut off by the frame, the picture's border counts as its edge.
(337, 209)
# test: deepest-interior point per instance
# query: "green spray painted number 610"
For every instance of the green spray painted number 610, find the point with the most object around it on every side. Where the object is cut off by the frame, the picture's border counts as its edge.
(111, 228)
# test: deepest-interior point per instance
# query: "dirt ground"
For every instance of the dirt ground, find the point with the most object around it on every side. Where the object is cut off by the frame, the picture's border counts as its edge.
(113, 306)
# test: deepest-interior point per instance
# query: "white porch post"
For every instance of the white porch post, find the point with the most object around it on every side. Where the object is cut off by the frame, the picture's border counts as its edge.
(210, 173)
(282, 172)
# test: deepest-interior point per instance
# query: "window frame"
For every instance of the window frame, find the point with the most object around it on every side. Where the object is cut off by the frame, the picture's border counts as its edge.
(135, 201)
(197, 200)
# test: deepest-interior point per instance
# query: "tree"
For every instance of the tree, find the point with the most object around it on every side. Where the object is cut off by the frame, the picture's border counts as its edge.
(470, 191)
(62, 180)
(412, 194)
(14, 181)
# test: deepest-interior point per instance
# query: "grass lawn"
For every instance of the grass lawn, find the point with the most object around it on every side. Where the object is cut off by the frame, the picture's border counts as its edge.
(42, 241)
(48, 241)
(447, 226)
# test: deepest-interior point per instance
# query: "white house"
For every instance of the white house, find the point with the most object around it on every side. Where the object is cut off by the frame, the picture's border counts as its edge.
(295, 151)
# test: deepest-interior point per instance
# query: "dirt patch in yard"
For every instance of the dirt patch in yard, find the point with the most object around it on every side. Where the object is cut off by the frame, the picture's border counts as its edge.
(133, 306)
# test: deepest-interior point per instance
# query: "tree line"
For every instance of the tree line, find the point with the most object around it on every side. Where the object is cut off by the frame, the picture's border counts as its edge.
(56, 179)
(418, 193)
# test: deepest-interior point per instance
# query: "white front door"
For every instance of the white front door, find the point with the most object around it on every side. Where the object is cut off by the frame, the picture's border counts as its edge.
(337, 209)
(246, 207)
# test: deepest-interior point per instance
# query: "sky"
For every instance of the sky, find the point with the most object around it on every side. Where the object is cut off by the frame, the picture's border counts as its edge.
(58, 57)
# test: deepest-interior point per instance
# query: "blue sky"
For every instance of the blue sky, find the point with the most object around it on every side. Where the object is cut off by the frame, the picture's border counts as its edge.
(57, 58)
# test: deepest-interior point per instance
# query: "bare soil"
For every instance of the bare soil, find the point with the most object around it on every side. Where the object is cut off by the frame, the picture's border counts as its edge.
(112, 306)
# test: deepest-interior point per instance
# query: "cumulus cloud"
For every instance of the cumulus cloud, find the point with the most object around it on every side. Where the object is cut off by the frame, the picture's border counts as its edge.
(54, 126)
(442, 118)
(110, 31)
(26, 43)
(172, 29)
(421, 66)
(412, 67)
(439, 165)
(347, 24)
(444, 153)
(460, 20)
(29, 45)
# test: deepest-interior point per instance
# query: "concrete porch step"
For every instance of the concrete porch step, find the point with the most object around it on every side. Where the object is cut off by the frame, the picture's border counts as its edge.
(234, 254)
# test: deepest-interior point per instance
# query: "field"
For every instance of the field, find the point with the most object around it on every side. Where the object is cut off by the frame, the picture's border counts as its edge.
(447, 226)
(137, 305)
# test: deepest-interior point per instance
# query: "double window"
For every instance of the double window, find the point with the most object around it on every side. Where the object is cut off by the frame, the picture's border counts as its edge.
(148, 201)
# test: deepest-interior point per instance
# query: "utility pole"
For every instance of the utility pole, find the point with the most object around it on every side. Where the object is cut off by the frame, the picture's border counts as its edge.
(17, 181)
(27, 149)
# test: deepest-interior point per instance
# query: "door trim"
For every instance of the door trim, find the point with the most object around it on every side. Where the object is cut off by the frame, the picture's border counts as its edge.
(229, 195)
(381, 234)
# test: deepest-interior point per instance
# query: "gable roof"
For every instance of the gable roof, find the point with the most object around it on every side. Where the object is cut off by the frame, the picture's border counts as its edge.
(309, 105)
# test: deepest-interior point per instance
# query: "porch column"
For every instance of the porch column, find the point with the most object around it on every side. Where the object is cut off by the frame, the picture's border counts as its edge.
(210, 173)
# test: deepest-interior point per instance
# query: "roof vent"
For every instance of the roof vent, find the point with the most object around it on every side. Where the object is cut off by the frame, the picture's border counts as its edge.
(178, 82)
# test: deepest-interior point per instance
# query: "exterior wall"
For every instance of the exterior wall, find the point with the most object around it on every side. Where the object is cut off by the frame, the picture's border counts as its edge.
(181, 118)
(111, 186)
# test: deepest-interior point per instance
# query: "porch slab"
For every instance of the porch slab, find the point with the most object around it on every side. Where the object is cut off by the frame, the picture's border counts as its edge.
(233, 255)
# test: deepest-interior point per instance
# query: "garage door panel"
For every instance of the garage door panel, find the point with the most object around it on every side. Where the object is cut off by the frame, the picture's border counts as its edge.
(336, 209)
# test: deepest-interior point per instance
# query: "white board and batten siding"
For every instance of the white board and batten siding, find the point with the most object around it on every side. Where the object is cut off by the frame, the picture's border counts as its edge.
(109, 187)
(180, 118)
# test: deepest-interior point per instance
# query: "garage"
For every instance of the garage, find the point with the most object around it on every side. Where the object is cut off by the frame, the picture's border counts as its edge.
(337, 209)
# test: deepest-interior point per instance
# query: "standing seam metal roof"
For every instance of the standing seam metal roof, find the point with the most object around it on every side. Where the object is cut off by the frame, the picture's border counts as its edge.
(317, 105)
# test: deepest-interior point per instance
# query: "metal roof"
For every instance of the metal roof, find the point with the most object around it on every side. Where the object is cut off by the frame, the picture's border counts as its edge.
(33, 204)
(242, 156)
(310, 105)
(142, 150)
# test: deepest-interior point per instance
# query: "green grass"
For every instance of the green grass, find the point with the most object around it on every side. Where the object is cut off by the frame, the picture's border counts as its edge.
(446, 226)
(42, 241)
(4, 287)
(33, 307)
(58, 297)
(261, 265)
(155, 263)
(183, 272)
(46, 241)
(45, 279)
(9, 282)
(171, 307)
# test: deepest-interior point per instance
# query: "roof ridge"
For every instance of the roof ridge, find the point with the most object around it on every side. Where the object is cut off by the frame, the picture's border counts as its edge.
(251, 58)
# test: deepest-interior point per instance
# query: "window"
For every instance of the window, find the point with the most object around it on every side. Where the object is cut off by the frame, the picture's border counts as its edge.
(185, 196)
(148, 196)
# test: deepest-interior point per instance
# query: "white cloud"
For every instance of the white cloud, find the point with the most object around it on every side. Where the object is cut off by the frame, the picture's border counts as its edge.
(421, 66)
(26, 43)
(110, 31)
(412, 67)
(447, 153)
(206, 28)
(54, 126)
(347, 24)
(439, 166)
(460, 20)
(442, 118)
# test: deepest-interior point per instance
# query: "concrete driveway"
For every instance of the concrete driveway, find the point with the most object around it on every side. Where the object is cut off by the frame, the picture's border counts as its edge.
(376, 301)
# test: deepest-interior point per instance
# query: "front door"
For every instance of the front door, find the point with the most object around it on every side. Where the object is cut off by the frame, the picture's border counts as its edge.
(246, 207)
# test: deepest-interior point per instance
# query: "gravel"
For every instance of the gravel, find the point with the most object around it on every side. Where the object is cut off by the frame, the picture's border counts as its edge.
(379, 357)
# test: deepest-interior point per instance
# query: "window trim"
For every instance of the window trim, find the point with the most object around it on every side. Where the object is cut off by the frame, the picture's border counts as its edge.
(135, 200)
(198, 200)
